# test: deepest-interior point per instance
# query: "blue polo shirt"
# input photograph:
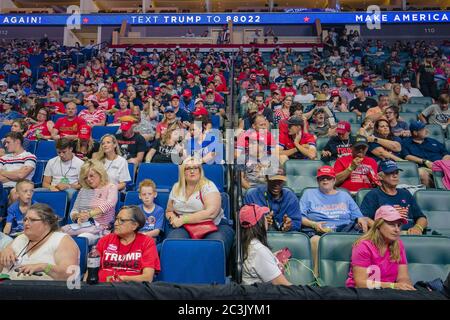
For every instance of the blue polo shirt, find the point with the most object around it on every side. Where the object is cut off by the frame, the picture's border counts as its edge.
(430, 149)
(377, 198)
(286, 204)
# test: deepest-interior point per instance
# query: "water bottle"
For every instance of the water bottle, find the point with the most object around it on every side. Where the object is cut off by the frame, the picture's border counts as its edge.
(93, 265)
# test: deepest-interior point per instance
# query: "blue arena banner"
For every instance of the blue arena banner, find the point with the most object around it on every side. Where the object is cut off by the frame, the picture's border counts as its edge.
(222, 18)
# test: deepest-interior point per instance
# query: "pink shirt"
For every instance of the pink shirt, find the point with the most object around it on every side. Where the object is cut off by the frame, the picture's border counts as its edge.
(365, 254)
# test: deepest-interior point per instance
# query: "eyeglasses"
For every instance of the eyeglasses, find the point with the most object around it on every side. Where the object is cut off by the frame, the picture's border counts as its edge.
(122, 221)
(31, 220)
(191, 168)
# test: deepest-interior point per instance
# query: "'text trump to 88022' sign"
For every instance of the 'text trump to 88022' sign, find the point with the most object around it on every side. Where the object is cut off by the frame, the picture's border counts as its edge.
(239, 19)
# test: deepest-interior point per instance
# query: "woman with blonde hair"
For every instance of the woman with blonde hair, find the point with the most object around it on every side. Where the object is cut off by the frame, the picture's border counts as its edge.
(96, 201)
(115, 165)
(195, 199)
(379, 257)
(395, 99)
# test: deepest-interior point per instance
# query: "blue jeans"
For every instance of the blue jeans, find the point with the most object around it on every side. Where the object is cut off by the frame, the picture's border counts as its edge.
(225, 233)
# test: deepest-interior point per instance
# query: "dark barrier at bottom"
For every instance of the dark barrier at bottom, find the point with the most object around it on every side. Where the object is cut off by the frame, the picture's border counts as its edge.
(54, 290)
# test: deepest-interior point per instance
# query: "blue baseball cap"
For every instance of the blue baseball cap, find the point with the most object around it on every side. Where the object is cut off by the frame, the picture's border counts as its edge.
(416, 125)
(388, 166)
(169, 109)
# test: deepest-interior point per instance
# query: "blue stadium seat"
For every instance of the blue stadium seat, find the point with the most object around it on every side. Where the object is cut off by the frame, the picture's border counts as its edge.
(82, 244)
(186, 261)
(408, 116)
(55, 117)
(56, 200)
(421, 100)
(435, 205)
(130, 185)
(166, 174)
(80, 108)
(99, 131)
(435, 131)
(39, 173)
(31, 146)
(4, 129)
(46, 150)
(412, 107)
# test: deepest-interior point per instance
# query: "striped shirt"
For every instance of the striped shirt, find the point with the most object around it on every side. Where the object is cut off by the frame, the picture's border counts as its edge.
(11, 162)
(103, 198)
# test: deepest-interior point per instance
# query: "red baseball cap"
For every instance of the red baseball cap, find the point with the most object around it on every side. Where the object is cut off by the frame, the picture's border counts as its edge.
(127, 123)
(335, 93)
(273, 87)
(190, 76)
(201, 111)
(209, 91)
(175, 96)
(253, 76)
(343, 127)
(326, 171)
(85, 132)
(187, 93)
(389, 213)
(250, 214)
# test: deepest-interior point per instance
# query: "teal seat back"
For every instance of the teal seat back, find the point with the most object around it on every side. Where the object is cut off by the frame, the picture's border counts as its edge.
(408, 116)
(301, 174)
(428, 257)
(335, 252)
(299, 245)
(347, 116)
(360, 195)
(410, 173)
(435, 131)
(437, 177)
(413, 108)
(320, 144)
(421, 100)
(435, 204)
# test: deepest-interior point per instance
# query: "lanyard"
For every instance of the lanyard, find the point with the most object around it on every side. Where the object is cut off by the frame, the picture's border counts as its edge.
(60, 165)
(277, 224)
(21, 253)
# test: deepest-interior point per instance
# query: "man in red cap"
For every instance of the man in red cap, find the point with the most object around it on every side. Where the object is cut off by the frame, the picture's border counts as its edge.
(325, 209)
(213, 106)
(187, 102)
(339, 145)
(132, 145)
(295, 143)
(190, 84)
(251, 82)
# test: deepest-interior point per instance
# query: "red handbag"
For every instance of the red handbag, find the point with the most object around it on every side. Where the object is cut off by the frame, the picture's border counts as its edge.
(201, 229)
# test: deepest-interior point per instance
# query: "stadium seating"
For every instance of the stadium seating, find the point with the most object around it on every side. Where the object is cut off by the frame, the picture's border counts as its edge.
(421, 100)
(437, 178)
(82, 244)
(320, 144)
(435, 131)
(408, 116)
(410, 173)
(435, 204)
(428, 257)
(359, 198)
(166, 174)
(335, 252)
(300, 247)
(31, 146)
(99, 131)
(56, 200)
(412, 108)
(347, 116)
(187, 261)
(301, 174)
(39, 173)
(447, 145)
(4, 129)
(46, 150)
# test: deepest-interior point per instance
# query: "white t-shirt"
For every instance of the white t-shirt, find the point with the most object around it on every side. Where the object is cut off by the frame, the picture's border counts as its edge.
(413, 92)
(10, 162)
(45, 254)
(194, 203)
(117, 170)
(307, 98)
(261, 264)
(436, 115)
(58, 169)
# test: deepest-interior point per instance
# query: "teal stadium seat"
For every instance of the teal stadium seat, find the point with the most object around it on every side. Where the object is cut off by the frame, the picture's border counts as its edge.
(437, 178)
(421, 100)
(447, 145)
(300, 247)
(301, 174)
(360, 195)
(435, 204)
(412, 107)
(435, 131)
(347, 116)
(320, 144)
(408, 116)
(428, 257)
(410, 173)
(335, 252)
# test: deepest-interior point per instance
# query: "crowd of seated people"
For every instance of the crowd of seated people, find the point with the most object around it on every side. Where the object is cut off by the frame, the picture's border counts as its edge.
(146, 103)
